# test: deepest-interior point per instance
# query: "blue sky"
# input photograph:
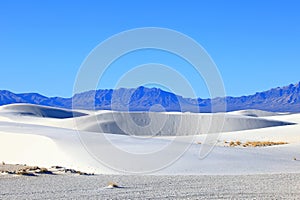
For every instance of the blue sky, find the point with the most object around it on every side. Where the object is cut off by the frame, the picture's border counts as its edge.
(255, 44)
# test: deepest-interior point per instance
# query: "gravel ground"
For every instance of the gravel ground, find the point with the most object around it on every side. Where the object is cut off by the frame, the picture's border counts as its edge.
(278, 186)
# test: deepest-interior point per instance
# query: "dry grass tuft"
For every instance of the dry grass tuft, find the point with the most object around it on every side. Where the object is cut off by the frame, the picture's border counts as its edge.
(254, 143)
(31, 168)
(232, 144)
(263, 144)
(44, 171)
(24, 173)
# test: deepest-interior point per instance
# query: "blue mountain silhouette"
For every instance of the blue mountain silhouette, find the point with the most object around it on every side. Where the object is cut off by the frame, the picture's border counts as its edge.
(280, 99)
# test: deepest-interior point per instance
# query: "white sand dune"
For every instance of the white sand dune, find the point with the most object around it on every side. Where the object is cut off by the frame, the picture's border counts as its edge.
(256, 113)
(140, 123)
(171, 124)
(39, 111)
(49, 136)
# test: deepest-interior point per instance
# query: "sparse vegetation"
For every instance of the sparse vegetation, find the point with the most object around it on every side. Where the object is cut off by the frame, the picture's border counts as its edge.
(263, 144)
(31, 168)
(232, 144)
(44, 171)
(24, 173)
(254, 143)
(57, 167)
(35, 170)
(72, 171)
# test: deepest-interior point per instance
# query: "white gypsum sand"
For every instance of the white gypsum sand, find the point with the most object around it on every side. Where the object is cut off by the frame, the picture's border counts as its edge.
(44, 136)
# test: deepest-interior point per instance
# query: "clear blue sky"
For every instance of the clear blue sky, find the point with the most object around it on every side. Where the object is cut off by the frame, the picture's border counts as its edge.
(255, 44)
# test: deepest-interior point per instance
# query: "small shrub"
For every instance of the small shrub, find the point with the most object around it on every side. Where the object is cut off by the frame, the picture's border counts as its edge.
(31, 168)
(25, 173)
(72, 171)
(57, 167)
(44, 171)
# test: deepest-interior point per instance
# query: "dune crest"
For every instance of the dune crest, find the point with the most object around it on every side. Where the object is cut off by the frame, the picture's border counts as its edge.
(40, 111)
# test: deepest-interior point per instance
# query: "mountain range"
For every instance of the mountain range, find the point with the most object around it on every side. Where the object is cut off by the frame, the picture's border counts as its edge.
(280, 99)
